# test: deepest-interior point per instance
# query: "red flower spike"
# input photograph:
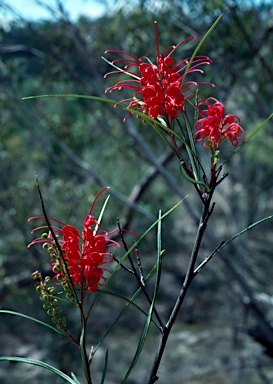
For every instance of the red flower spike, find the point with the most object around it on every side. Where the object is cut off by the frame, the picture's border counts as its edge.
(160, 88)
(215, 126)
(83, 255)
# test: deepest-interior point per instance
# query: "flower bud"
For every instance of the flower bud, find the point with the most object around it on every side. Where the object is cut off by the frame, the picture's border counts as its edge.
(35, 275)
(50, 312)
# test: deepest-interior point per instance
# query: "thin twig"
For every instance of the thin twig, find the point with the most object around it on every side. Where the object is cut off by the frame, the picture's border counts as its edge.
(139, 266)
(139, 279)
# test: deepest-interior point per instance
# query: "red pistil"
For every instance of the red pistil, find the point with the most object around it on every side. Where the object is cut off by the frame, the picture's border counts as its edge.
(160, 88)
(83, 255)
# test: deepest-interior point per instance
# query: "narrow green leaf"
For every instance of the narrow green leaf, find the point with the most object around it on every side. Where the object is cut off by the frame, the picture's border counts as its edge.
(7, 312)
(85, 366)
(190, 148)
(145, 233)
(75, 378)
(104, 367)
(149, 317)
(74, 95)
(145, 117)
(201, 43)
(130, 302)
(138, 351)
(120, 69)
(39, 364)
(130, 250)
(193, 162)
(201, 265)
(191, 180)
(101, 214)
(154, 123)
(159, 259)
(256, 130)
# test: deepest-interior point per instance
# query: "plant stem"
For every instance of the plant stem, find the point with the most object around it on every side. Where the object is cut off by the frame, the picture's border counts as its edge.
(206, 213)
(85, 361)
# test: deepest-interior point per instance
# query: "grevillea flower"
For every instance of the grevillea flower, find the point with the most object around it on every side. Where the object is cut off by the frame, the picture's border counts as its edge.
(216, 126)
(83, 255)
(160, 89)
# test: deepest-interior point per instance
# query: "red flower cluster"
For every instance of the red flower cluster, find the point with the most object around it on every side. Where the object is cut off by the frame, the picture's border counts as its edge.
(215, 126)
(82, 254)
(160, 89)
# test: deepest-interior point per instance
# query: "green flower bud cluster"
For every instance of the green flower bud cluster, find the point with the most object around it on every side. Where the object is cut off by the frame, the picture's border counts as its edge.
(51, 301)
(60, 266)
(51, 247)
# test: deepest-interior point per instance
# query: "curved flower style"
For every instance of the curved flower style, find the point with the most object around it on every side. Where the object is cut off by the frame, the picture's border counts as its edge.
(215, 126)
(160, 88)
(82, 255)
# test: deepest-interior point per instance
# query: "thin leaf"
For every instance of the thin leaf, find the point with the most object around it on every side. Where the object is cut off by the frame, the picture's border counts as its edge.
(149, 317)
(39, 364)
(75, 378)
(159, 258)
(145, 117)
(101, 214)
(85, 366)
(104, 367)
(193, 162)
(144, 234)
(256, 130)
(130, 250)
(129, 301)
(98, 98)
(200, 266)
(192, 155)
(190, 148)
(154, 123)
(120, 69)
(4, 311)
(158, 129)
(191, 180)
(201, 43)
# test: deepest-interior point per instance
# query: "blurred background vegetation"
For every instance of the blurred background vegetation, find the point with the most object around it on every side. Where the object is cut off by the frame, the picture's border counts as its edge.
(77, 146)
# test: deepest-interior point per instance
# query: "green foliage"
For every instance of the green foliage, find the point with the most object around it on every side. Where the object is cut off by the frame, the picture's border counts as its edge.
(40, 364)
